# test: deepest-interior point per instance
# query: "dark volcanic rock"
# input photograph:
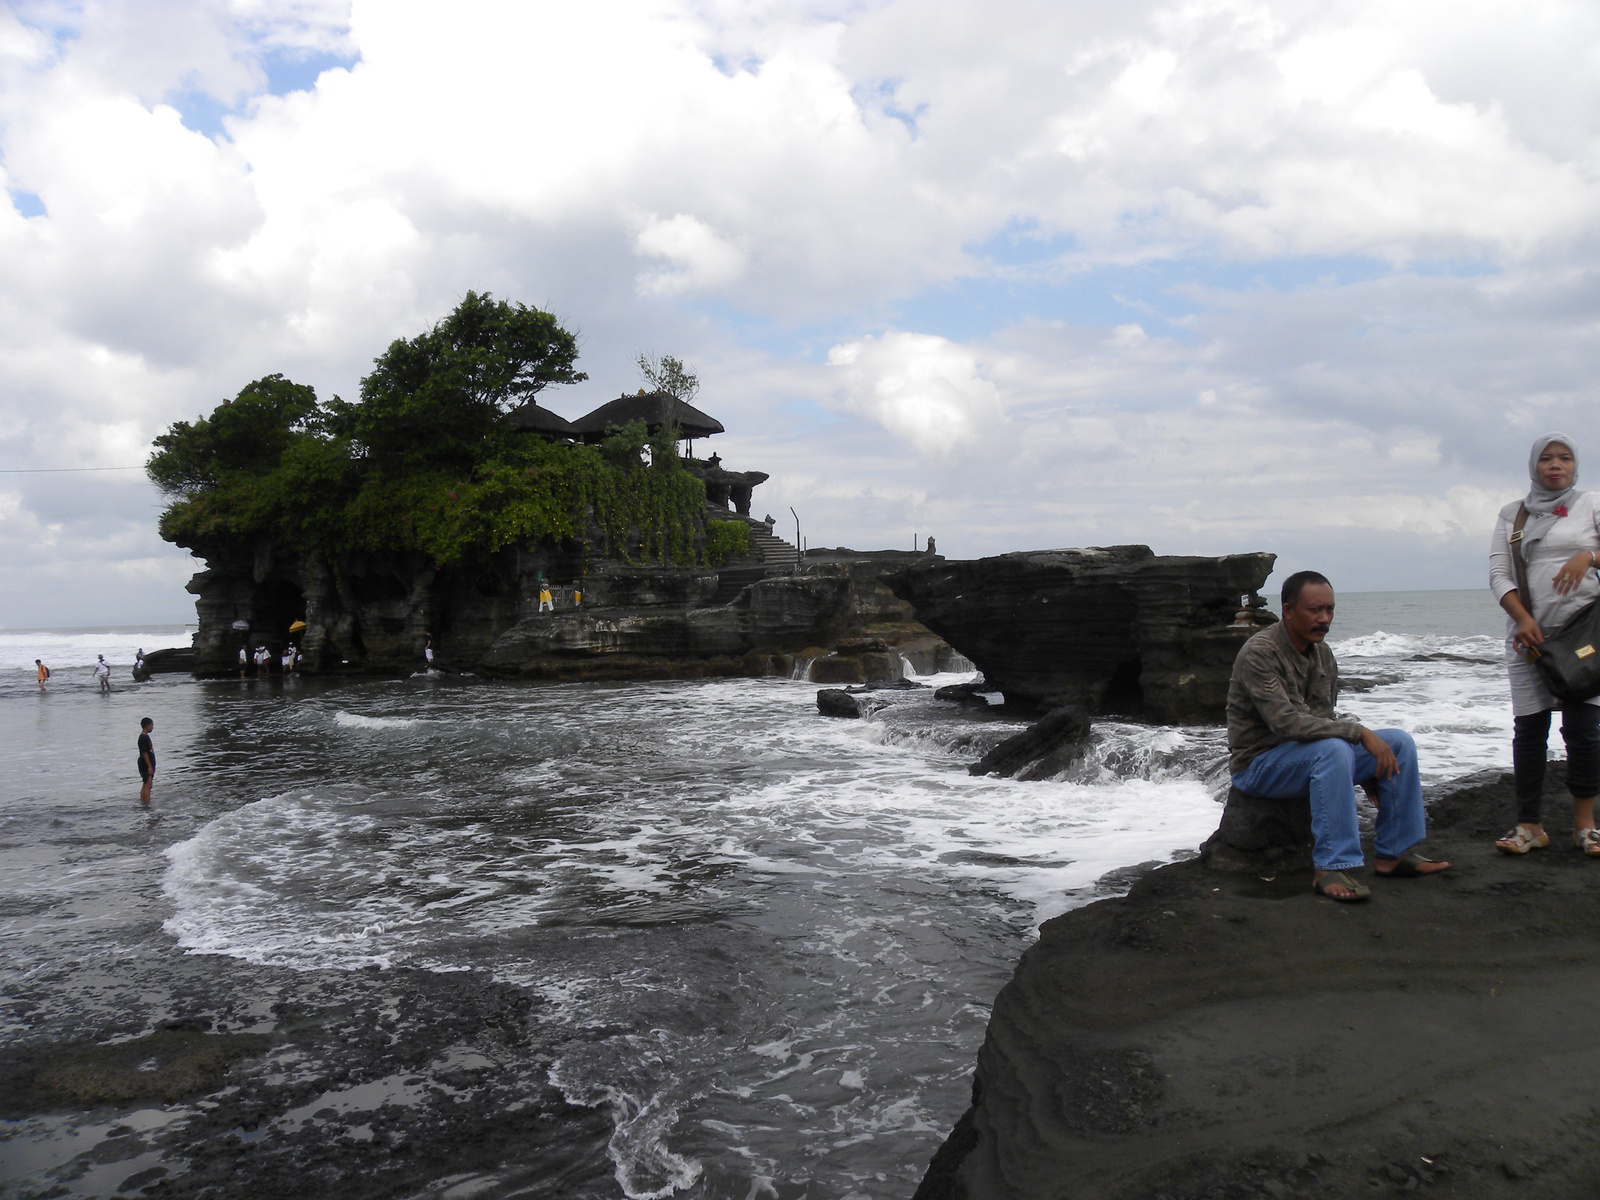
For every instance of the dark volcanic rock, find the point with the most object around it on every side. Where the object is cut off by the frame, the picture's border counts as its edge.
(1260, 835)
(1045, 748)
(374, 612)
(836, 702)
(772, 616)
(172, 661)
(1115, 629)
(970, 694)
(1216, 1035)
(352, 1086)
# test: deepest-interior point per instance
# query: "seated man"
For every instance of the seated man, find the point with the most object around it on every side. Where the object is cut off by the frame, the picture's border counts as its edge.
(1284, 741)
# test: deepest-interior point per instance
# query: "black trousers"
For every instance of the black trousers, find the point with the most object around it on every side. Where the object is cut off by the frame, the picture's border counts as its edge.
(1580, 729)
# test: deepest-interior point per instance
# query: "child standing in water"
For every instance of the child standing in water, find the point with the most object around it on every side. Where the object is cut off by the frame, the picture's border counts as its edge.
(147, 759)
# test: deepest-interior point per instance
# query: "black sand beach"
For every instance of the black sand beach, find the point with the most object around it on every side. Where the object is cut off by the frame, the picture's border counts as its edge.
(1221, 1036)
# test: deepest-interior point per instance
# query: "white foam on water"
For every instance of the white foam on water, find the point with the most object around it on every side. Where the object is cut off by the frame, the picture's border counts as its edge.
(66, 649)
(350, 720)
(941, 679)
(297, 881)
(645, 1167)
(640, 802)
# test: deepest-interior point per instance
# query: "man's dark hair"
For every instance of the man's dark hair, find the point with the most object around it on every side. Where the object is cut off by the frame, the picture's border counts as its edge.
(145, 722)
(1295, 582)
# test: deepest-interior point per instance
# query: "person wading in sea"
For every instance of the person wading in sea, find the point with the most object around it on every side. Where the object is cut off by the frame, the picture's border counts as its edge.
(147, 759)
(44, 672)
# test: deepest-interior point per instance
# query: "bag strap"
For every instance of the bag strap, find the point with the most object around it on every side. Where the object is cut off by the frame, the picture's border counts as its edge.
(1523, 593)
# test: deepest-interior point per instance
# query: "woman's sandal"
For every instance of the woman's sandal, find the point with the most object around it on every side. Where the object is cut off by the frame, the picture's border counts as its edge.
(1520, 841)
(1356, 894)
(1587, 840)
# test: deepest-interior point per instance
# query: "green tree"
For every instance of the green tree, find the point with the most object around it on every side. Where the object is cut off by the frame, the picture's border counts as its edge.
(669, 375)
(246, 435)
(436, 400)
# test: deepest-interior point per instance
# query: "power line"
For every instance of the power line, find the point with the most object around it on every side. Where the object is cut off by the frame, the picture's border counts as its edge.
(56, 470)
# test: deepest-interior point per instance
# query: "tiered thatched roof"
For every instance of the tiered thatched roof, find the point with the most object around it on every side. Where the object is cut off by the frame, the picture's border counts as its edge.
(655, 409)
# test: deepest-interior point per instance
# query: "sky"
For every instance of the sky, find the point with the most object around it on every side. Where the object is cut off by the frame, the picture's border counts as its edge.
(1212, 276)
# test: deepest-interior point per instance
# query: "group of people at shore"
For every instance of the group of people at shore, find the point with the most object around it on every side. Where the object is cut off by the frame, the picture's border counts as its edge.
(259, 662)
(1285, 739)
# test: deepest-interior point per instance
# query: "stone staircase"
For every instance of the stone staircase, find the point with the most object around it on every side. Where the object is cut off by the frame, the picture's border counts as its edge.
(768, 555)
(777, 556)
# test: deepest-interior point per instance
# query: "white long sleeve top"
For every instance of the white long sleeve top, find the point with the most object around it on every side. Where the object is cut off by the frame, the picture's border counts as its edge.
(1578, 530)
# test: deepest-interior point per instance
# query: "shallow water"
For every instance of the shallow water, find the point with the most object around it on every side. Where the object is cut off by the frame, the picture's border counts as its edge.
(792, 926)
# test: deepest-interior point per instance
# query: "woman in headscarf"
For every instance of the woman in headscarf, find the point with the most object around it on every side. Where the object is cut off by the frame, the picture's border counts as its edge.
(1560, 551)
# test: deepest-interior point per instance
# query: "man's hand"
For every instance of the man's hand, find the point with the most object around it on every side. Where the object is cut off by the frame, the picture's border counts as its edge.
(1379, 749)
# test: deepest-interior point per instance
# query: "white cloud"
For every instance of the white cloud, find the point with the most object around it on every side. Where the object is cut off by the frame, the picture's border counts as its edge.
(921, 388)
(1053, 252)
(698, 259)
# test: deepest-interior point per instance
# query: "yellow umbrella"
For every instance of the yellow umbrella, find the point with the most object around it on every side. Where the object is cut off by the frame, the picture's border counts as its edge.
(297, 627)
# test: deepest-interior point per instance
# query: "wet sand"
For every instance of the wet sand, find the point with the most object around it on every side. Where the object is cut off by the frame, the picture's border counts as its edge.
(1213, 1035)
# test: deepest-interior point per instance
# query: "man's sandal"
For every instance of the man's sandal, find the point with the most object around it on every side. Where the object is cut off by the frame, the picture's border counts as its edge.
(1411, 865)
(1520, 841)
(1357, 891)
(1587, 840)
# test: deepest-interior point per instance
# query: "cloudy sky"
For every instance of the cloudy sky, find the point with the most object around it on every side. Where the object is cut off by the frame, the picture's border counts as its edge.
(1215, 276)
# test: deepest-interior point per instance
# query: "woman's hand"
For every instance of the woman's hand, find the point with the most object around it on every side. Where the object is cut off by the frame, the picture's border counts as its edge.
(1528, 633)
(1572, 572)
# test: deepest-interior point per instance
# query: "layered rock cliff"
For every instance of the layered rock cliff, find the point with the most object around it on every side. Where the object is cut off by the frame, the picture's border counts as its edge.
(1116, 629)
(610, 619)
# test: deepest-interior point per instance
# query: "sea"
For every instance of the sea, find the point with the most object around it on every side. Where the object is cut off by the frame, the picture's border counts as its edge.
(795, 924)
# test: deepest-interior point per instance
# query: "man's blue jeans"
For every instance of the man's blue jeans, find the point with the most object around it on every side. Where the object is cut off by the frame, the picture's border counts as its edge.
(1330, 769)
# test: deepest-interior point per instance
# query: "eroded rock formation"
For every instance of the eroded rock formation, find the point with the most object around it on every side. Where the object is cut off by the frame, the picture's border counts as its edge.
(610, 620)
(1116, 629)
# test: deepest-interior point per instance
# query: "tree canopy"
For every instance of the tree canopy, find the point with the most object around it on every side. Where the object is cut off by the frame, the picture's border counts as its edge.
(245, 435)
(425, 462)
(437, 399)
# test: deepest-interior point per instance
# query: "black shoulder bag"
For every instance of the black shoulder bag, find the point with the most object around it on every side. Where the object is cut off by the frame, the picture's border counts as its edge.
(1569, 659)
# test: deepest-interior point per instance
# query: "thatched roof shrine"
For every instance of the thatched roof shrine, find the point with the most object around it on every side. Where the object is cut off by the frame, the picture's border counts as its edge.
(530, 418)
(655, 409)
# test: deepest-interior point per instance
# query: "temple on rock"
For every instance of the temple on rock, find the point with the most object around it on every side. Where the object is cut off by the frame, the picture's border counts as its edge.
(659, 570)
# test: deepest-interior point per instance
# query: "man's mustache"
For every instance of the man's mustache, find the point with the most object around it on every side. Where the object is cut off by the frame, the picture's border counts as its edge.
(1320, 628)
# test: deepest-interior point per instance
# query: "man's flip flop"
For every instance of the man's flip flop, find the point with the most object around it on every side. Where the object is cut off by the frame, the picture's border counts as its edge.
(1357, 893)
(1409, 866)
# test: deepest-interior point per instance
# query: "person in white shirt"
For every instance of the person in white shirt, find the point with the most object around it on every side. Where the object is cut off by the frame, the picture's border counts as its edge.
(1560, 547)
